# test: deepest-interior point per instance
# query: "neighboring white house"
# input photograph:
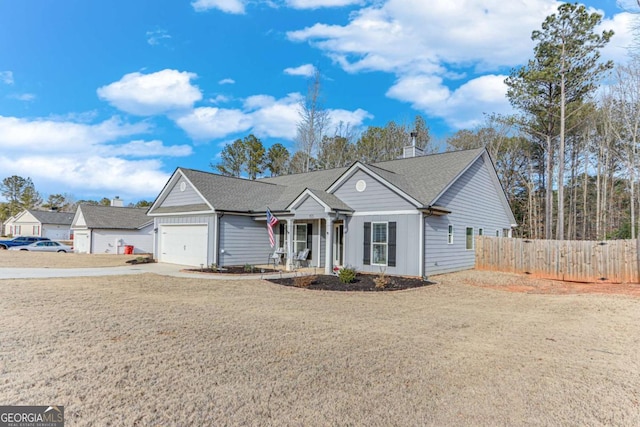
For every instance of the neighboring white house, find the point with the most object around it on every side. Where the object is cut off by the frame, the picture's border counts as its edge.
(7, 227)
(416, 216)
(109, 229)
(52, 224)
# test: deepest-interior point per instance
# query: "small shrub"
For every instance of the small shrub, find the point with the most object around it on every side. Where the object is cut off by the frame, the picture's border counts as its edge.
(303, 281)
(347, 275)
(381, 281)
(248, 268)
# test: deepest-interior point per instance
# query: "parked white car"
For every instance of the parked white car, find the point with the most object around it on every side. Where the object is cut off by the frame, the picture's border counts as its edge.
(44, 246)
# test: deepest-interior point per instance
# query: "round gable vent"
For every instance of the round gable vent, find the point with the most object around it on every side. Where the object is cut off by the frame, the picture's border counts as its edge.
(361, 185)
(183, 186)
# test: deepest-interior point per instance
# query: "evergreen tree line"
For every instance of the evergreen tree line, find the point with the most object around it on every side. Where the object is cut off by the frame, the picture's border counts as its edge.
(248, 157)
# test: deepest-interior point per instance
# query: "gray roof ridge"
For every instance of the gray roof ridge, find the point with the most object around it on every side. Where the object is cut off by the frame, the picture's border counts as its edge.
(377, 164)
(238, 178)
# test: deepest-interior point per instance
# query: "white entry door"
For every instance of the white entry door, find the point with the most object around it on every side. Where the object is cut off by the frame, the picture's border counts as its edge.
(81, 242)
(183, 244)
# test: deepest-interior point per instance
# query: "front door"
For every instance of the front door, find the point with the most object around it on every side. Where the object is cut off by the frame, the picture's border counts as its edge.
(338, 244)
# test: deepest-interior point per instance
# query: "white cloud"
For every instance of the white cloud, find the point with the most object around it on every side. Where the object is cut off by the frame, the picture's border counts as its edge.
(156, 37)
(26, 97)
(140, 148)
(162, 92)
(49, 136)
(618, 48)
(103, 176)
(226, 82)
(72, 157)
(430, 46)
(219, 99)
(206, 123)
(460, 108)
(306, 70)
(275, 118)
(262, 115)
(316, 4)
(6, 77)
(228, 6)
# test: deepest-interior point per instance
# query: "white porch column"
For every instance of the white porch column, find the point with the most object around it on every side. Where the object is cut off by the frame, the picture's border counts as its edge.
(289, 246)
(328, 257)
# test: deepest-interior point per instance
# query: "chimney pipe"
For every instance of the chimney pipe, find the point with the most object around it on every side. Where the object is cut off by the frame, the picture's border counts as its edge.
(414, 135)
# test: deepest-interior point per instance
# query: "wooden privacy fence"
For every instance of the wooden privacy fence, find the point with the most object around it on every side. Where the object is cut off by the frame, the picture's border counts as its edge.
(614, 261)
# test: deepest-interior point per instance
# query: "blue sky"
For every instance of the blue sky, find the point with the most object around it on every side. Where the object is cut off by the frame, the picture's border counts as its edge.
(99, 99)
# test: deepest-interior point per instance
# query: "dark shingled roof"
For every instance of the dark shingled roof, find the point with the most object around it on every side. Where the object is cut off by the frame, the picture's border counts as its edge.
(113, 217)
(53, 217)
(234, 194)
(423, 178)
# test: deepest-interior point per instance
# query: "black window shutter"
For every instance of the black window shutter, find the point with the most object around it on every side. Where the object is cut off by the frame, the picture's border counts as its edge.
(366, 260)
(392, 245)
(310, 239)
(283, 242)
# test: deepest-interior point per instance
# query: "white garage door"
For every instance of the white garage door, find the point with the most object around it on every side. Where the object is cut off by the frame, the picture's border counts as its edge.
(81, 242)
(56, 233)
(184, 244)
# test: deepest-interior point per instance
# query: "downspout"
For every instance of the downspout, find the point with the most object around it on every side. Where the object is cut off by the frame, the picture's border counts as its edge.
(421, 251)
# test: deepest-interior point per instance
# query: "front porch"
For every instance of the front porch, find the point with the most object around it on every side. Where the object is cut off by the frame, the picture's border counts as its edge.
(309, 236)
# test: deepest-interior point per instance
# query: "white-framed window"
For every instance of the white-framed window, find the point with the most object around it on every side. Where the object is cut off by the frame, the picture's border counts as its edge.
(450, 235)
(17, 230)
(469, 235)
(36, 230)
(497, 233)
(299, 237)
(505, 232)
(379, 243)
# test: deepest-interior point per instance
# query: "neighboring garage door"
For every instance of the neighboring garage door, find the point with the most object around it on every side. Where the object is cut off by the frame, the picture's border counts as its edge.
(81, 242)
(56, 234)
(184, 244)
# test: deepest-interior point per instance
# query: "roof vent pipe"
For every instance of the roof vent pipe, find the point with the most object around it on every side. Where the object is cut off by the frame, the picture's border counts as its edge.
(414, 135)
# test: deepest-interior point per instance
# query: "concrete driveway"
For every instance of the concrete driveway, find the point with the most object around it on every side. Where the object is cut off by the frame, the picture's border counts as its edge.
(156, 268)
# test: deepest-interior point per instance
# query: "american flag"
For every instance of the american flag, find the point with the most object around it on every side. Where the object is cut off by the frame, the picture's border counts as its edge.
(271, 221)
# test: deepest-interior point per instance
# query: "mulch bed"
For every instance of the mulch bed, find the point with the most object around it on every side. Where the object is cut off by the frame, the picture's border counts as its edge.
(237, 269)
(363, 282)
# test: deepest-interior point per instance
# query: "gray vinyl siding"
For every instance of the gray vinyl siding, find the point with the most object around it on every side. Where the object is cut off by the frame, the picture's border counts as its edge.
(474, 201)
(104, 241)
(188, 219)
(182, 198)
(310, 208)
(375, 197)
(407, 243)
(244, 241)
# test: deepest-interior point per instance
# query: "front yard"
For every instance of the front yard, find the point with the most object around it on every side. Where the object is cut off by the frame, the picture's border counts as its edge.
(152, 350)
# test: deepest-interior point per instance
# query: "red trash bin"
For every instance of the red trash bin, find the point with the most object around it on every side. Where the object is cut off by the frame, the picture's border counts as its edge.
(128, 249)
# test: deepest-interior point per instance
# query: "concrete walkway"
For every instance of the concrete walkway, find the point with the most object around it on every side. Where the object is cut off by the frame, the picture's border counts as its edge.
(156, 268)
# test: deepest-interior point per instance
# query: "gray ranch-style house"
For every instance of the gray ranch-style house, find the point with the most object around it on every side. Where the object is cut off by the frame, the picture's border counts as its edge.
(414, 216)
(101, 229)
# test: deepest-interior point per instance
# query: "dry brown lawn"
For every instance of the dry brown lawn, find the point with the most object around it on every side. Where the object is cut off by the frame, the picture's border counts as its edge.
(24, 259)
(152, 350)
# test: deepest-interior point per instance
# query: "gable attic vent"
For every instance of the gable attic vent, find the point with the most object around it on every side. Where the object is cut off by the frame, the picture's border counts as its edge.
(412, 150)
(117, 202)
